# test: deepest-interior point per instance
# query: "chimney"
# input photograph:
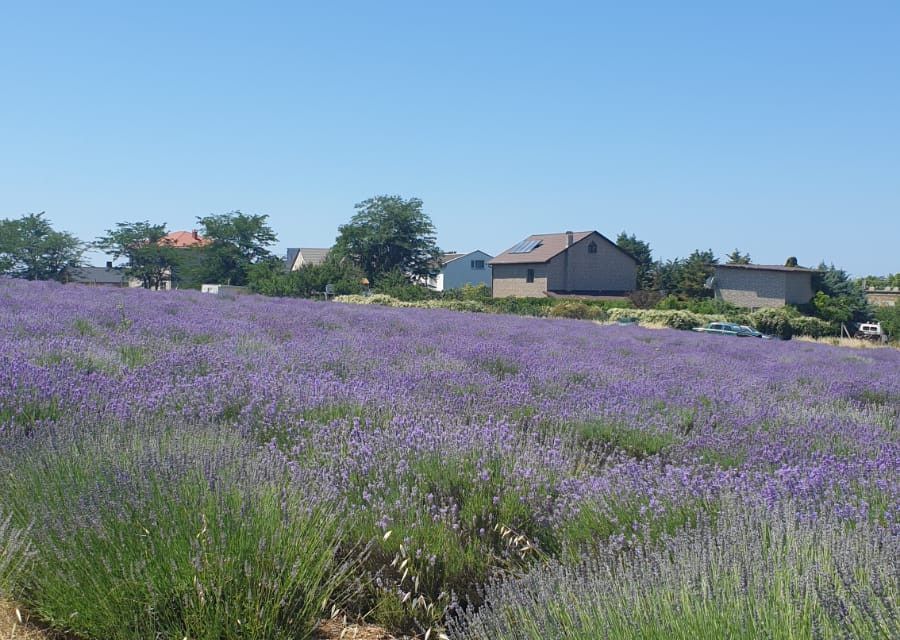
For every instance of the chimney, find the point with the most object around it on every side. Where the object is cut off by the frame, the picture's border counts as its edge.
(194, 234)
(569, 239)
(108, 265)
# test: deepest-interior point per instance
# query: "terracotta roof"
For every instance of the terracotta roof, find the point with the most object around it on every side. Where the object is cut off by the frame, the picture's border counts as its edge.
(184, 239)
(765, 267)
(549, 245)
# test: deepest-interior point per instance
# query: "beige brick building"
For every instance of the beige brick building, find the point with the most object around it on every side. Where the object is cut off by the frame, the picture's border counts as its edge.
(584, 262)
(757, 285)
(887, 297)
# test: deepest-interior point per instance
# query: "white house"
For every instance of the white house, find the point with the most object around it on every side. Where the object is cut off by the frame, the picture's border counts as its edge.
(303, 256)
(224, 290)
(458, 269)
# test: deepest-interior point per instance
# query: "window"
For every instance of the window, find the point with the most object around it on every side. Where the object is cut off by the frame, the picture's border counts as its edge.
(478, 264)
(592, 247)
(529, 275)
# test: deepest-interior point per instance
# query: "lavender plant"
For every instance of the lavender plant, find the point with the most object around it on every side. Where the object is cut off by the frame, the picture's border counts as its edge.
(152, 532)
(757, 574)
(429, 434)
(15, 550)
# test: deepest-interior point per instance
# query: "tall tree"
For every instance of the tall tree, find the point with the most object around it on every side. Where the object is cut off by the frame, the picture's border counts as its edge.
(237, 241)
(149, 258)
(736, 257)
(388, 234)
(30, 248)
(641, 251)
(841, 292)
(693, 273)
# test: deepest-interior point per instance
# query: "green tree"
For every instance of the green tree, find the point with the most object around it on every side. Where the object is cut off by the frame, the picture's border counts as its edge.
(270, 277)
(693, 273)
(388, 234)
(237, 241)
(889, 317)
(880, 282)
(641, 251)
(736, 257)
(834, 310)
(149, 258)
(30, 248)
(843, 292)
(791, 262)
(665, 275)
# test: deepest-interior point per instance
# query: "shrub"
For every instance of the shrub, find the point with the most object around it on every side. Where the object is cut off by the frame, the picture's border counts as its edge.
(144, 534)
(645, 299)
(812, 327)
(668, 318)
(683, 320)
(523, 306)
(889, 317)
(579, 311)
(776, 322)
(759, 573)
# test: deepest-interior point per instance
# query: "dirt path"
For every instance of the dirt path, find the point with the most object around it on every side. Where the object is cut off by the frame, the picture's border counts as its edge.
(15, 625)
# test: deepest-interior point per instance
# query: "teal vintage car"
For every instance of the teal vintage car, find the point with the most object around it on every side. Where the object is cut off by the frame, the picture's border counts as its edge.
(727, 329)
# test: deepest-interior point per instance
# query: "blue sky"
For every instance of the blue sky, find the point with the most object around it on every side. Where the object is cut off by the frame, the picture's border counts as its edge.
(772, 127)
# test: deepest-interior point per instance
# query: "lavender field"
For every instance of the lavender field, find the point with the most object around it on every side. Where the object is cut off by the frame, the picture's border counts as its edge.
(176, 465)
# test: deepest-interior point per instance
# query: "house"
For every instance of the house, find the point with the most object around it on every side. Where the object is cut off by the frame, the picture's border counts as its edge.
(224, 290)
(184, 239)
(297, 258)
(458, 269)
(108, 276)
(572, 263)
(760, 285)
(884, 297)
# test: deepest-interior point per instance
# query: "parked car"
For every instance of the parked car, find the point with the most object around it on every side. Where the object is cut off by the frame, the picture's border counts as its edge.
(754, 333)
(871, 331)
(726, 329)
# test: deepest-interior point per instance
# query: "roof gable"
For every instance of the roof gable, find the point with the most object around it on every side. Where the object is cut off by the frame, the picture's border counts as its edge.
(543, 247)
(184, 239)
(447, 258)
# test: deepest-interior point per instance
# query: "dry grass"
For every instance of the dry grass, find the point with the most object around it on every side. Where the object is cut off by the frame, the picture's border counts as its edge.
(850, 342)
(337, 630)
(15, 624)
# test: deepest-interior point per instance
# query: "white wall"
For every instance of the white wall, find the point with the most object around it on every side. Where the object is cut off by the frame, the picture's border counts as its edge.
(459, 272)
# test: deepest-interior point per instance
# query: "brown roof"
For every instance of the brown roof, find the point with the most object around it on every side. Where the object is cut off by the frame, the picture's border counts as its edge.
(184, 239)
(450, 257)
(550, 245)
(765, 267)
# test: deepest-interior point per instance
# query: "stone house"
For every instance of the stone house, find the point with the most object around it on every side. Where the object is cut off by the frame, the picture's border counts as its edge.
(571, 263)
(885, 297)
(758, 285)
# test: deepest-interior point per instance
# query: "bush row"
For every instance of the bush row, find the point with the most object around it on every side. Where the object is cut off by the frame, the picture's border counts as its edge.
(783, 323)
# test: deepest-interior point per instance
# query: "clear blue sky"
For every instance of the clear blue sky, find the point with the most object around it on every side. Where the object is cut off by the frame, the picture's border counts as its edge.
(770, 126)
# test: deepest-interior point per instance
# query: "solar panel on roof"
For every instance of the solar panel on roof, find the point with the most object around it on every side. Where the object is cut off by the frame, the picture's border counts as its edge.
(526, 246)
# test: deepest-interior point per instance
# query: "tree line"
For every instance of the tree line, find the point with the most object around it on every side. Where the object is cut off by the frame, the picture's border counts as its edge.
(389, 243)
(388, 238)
